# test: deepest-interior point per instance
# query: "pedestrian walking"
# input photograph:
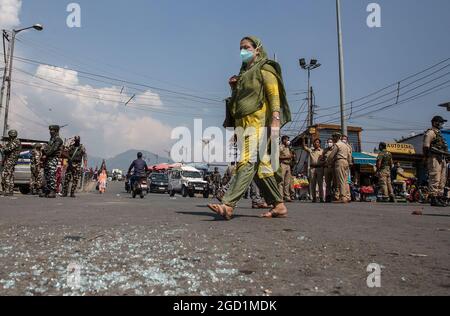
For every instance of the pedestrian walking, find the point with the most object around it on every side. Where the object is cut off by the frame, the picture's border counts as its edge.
(102, 181)
(258, 104)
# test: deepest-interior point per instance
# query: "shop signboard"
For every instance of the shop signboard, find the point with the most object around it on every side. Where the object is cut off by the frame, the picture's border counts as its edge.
(404, 149)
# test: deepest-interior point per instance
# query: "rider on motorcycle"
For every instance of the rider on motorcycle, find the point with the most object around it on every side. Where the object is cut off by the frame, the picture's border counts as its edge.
(139, 167)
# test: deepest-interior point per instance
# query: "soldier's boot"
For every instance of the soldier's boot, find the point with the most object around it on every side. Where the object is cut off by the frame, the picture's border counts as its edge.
(51, 195)
(72, 195)
(64, 194)
(436, 202)
(42, 194)
(443, 201)
(392, 199)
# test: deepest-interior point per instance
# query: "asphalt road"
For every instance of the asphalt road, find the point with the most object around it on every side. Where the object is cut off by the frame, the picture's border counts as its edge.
(114, 245)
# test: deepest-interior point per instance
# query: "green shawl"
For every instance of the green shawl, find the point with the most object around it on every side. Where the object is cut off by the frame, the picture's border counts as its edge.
(248, 96)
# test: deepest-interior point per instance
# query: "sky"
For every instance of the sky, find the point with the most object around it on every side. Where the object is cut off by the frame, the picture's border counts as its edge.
(181, 53)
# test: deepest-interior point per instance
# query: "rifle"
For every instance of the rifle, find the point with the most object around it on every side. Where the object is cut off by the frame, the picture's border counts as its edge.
(2, 154)
(439, 152)
(70, 160)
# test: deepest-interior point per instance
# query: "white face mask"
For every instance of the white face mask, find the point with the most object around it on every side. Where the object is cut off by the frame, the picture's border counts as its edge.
(329, 145)
(288, 143)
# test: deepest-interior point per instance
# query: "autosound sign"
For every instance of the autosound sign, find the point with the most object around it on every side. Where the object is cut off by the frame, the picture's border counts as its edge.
(397, 148)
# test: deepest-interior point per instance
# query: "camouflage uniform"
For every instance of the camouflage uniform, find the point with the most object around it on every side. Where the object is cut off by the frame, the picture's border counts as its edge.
(74, 169)
(384, 173)
(11, 154)
(52, 153)
(37, 173)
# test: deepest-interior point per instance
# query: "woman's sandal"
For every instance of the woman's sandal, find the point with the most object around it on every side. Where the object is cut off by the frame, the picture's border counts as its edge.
(220, 209)
(273, 214)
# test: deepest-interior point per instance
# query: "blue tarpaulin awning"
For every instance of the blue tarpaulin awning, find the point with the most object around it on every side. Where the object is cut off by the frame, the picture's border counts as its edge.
(364, 159)
(446, 134)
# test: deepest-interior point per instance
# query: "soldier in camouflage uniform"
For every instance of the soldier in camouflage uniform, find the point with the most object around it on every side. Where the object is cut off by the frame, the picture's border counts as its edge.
(36, 170)
(435, 150)
(11, 152)
(51, 155)
(77, 153)
(384, 167)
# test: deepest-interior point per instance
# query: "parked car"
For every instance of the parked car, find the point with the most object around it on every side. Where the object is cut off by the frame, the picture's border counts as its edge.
(187, 181)
(159, 183)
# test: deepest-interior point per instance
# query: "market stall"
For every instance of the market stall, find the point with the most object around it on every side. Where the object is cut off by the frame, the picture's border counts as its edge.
(363, 176)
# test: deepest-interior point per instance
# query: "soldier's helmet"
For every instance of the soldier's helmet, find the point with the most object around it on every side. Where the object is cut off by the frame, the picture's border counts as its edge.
(438, 119)
(76, 139)
(12, 133)
(54, 128)
(37, 146)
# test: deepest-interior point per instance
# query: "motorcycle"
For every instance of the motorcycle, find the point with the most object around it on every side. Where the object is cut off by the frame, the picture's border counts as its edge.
(416, 193)
(140, 187)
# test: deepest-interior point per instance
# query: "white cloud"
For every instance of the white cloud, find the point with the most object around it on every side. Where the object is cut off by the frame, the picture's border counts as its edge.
(60, 75)
(9, 13)
(98, 115)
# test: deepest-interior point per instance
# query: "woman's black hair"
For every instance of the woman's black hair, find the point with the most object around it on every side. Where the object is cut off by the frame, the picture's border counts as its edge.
(251, 41)
(317, 139)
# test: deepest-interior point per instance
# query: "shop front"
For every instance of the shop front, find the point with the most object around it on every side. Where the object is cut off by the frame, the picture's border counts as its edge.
(411, 163)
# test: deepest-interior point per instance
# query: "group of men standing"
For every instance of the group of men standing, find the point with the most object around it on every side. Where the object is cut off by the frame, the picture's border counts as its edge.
(333, 164)
(330, 165)
(44, 164)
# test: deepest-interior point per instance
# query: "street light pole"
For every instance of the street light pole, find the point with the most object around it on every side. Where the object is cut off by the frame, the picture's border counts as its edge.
(8, 93)
(341, 68)
(37, 27)
(310, 117)
(313, 64)
(5, 71)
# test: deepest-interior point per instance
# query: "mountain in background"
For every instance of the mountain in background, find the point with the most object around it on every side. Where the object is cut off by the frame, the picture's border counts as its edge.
(122, 161)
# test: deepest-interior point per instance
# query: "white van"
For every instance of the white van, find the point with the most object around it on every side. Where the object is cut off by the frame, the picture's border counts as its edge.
(187, 181)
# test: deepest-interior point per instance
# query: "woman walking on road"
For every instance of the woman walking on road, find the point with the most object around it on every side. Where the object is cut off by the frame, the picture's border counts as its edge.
(257, 109)
(102, 178)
